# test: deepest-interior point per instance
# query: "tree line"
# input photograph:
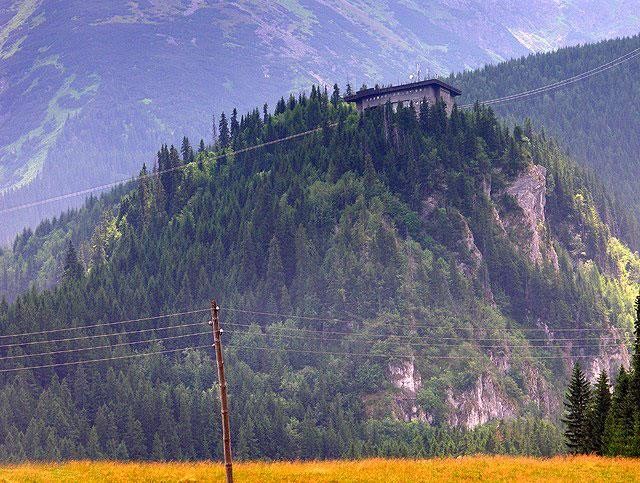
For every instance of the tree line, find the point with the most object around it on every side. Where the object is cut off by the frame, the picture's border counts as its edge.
(598, 421)
(329, 227)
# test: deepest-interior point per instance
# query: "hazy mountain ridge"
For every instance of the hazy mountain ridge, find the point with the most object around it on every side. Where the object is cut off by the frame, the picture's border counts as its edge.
(92, 88)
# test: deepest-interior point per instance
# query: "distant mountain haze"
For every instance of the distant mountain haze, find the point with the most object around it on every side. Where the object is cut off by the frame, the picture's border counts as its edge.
(88, 90)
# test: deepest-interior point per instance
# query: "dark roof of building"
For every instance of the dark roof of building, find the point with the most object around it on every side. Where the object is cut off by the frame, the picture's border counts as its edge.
(373, 91)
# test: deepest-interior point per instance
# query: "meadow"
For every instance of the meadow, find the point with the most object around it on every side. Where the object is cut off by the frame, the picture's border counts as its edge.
(472, 468)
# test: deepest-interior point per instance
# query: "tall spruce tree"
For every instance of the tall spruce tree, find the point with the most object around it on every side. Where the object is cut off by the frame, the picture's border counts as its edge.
(186, 150)
(348, 90)
(620, 419)
(235, 125)
(601, 402)
(576, 416)
(335, 96)
(224, 136)
(634, 383)
(72, 267)
(635, 362)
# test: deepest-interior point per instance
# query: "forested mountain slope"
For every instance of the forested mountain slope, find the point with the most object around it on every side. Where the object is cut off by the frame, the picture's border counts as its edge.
(385, 283)
(91, 88)
(596, 118)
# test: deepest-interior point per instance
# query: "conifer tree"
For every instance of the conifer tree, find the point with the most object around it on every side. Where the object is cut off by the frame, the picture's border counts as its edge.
(274, 278)
(224, 136)
(158, 448)
(348, 90)
(335, 96)
(634, 385)
(576, 412)
(635, 361)
(93, 445)
(235, 125)
(186, 150)
(619, 424)
(598, 415)
(291, 104)
(72, 267)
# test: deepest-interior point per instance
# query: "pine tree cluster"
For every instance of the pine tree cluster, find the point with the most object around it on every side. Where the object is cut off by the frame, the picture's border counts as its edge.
(597, 421)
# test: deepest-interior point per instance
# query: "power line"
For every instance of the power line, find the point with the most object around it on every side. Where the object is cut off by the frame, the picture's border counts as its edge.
(366, 337)
(106, 324)
(273, 349)
(112, 184)
(103, 359)
(270, 314)
(288, 316)
(561, 83)
(555, 85)
(105, 346)
(388, 354)
(376, 338)
(624, 58)
(411, 325)
(94, 336)
(473, 338)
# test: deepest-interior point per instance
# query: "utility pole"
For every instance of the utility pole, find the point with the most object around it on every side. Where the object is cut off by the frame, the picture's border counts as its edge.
(224, 405)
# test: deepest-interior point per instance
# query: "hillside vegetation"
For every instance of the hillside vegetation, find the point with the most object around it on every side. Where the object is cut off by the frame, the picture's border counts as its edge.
(393, 267)
(596, 118)
(477, 468)
(88, 90)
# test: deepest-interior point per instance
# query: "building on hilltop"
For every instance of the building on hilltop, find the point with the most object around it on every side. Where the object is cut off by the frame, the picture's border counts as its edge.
(431, 90)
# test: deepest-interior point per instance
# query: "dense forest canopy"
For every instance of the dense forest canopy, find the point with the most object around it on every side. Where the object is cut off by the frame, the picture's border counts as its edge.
(382, 244)
(595, 118)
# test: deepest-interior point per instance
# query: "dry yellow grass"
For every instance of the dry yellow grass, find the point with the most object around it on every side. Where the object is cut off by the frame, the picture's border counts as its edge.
(475, 468)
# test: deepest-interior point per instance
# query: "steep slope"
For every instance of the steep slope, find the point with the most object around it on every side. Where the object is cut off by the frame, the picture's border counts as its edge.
(92, 88)
(596, 118)
(393, 268)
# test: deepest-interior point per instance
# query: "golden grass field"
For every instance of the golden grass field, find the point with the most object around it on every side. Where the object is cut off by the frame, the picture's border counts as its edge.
(473, 468)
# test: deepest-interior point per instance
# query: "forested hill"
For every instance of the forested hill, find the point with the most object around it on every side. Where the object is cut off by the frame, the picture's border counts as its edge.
(596, 118)
(383, 269)
(88, 89)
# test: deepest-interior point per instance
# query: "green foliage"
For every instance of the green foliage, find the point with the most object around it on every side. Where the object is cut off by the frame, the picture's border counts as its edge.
(599, 422)
(576, 416)
(334, 228)
(599, 130)
(601, 403)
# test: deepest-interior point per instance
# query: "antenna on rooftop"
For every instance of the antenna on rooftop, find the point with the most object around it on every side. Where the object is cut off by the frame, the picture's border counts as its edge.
(415, 76)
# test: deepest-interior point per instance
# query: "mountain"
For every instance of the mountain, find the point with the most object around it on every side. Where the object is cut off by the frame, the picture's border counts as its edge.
(595, 119)
(88, 90)
(390, 284)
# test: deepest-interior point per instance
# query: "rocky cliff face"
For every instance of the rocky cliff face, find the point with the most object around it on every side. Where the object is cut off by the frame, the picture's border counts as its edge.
(407, 380)
(610, 357)
(484, 402)
(537, 391)
(529, 227)
(518, 211)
